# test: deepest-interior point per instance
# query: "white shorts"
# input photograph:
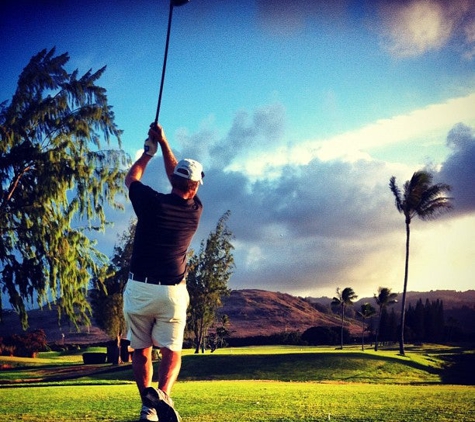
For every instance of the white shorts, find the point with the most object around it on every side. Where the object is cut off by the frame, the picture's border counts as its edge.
(155, 314)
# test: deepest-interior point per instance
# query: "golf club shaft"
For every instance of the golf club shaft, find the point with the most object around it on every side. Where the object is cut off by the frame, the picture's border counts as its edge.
(170, 15)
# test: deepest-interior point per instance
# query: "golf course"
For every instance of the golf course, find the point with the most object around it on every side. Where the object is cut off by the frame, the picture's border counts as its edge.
(259, 384)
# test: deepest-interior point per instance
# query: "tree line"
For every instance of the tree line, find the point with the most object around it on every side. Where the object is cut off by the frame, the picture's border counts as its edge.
(425, 321)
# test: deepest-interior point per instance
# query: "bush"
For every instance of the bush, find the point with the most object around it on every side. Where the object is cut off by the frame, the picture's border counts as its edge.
(25, 345)
(325, 336)
(284, 338)
(94, 358)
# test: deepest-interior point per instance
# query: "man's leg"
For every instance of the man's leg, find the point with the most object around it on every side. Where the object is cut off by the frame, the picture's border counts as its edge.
(169, 369)
(142, 368)
(160, 399)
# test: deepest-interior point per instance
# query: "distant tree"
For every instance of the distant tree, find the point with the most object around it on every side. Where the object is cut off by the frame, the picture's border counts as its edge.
(434, 321)
(367, 311)
(25, 345)
(389, 325)
(218, 333)
(383, 299)
(422, 199)
(343, 299)
(319, 336)
(426, 321)
(56, 180)
(415, 320)
(222, 331)
(107, 295)
(208, 274)
(453, 329)
(325, 309)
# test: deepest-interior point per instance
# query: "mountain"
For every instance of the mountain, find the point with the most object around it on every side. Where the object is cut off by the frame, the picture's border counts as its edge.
(47, 320)
(251, 312)
(260, 313)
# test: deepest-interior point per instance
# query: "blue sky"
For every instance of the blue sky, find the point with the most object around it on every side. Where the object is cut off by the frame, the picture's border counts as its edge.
(300, 112)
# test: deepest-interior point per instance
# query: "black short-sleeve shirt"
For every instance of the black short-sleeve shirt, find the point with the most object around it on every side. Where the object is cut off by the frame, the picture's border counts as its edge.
(165, 227)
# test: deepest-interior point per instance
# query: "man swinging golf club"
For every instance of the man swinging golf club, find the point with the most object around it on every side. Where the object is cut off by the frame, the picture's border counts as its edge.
(156, 297)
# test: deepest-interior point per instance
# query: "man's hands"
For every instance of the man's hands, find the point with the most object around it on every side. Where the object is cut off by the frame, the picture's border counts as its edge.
(156, 136)
(150, 147)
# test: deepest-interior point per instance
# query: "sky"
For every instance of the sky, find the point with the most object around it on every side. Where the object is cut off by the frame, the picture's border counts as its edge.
(300, 112)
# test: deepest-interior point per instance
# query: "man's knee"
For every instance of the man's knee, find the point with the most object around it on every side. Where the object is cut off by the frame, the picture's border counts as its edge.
(143, 353)
(165, 351)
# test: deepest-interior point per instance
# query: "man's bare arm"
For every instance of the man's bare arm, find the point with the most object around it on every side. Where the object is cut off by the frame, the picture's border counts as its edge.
(157, 134)
(137, 170)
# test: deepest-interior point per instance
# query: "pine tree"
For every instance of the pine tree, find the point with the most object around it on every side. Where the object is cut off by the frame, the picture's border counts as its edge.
(56, 181)
(107, 295)
(208, 275)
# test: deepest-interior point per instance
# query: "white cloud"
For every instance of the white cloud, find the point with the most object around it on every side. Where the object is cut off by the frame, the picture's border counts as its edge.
(412, 28)
(434, 119)
(429, 123)
(470, 40)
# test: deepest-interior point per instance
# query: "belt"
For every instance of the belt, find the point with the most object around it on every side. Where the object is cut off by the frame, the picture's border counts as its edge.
(153, 280)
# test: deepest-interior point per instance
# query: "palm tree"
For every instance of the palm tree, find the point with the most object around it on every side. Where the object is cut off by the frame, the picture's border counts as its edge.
(344, 298)
(383, 299)
(367, 311)
(422, 199)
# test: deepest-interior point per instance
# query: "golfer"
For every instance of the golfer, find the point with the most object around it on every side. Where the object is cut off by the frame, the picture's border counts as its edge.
(156, 297)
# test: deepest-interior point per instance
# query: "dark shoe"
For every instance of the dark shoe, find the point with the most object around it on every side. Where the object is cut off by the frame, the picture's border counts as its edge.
(162, 403)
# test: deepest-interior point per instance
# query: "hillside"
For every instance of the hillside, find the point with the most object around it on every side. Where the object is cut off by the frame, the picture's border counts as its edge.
(251, 313)
(47, 320)
(259, 313)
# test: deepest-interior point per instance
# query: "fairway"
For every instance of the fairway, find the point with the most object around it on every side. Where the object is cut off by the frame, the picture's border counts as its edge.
(247, 401)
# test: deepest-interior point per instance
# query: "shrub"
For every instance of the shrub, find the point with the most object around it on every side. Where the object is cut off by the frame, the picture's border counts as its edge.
(25, 345)
(93, 358)
(320, 336)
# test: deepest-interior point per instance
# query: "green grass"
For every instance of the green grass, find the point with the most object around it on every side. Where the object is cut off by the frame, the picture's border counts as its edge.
(267, 384)
(312, 365)
(50, 358)
(247, 401)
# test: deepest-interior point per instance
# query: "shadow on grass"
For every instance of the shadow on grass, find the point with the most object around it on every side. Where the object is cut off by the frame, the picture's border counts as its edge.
(459, 369)
(335, 366)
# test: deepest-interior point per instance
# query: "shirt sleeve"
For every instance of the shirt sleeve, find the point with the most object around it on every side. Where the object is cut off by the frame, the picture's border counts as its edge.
(138, 194)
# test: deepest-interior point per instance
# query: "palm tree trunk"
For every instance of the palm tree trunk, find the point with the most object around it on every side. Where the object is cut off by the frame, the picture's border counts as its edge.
(342, 320)
(403, 304)
(362, 333)
(378, 328)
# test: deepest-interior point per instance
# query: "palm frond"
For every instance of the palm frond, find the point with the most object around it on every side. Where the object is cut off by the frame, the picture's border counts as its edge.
(397, 193)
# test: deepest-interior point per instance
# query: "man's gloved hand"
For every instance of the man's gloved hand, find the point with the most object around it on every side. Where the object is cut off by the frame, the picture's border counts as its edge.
(155, 136)
(150, 147)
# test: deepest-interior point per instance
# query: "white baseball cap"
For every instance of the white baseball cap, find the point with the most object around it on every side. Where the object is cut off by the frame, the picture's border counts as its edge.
(189, 169)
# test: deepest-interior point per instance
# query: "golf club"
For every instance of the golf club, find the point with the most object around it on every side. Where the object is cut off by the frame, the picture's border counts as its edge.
(173, 3)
